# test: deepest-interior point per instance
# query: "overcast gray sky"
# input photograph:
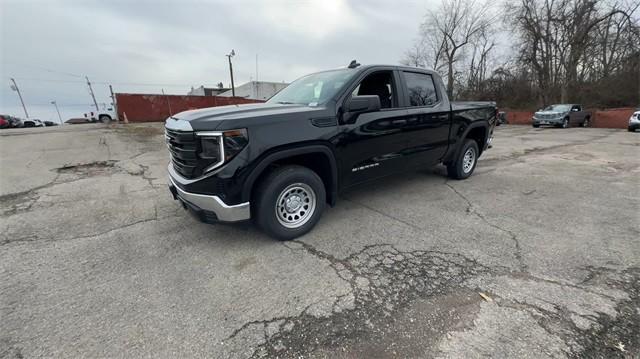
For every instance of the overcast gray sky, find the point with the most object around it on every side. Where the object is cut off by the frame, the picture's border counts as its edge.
(48, 46)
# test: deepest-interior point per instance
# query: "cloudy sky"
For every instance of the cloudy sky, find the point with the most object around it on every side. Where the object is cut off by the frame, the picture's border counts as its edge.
(144, 46)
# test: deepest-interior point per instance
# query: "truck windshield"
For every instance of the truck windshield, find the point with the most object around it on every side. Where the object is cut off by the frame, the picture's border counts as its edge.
(558, 108)
(313, 89)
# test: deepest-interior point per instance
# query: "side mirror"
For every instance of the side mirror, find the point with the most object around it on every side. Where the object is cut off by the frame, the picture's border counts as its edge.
(362, 104)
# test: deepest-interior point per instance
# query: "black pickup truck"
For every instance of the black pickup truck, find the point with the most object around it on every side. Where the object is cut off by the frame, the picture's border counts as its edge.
(281, 162)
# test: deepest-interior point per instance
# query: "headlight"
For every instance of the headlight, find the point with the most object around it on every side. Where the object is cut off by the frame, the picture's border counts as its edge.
(234, 142)
(211, 149)
(219, 147)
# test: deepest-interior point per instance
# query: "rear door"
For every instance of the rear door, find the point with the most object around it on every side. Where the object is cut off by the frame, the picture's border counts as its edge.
(428, 122)
(576, 114)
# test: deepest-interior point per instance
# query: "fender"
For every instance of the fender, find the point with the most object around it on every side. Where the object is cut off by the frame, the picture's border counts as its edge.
(454, 151)
(332, 191)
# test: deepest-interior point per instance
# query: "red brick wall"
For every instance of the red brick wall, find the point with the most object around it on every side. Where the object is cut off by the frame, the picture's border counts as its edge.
(150, 108)
(517, 117)
(609, 118)
(612, 118)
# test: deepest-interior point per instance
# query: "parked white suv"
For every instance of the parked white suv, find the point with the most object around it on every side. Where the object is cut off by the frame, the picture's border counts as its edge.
(32, 122)
(634, 121)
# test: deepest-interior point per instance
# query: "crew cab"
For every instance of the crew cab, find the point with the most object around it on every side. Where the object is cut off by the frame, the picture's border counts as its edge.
(562, 115)
(281, 162)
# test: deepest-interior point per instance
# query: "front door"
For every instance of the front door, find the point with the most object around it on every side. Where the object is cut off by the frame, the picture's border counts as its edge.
(372, 145)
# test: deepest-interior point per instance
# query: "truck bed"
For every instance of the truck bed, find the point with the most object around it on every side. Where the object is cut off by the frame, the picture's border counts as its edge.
(468, 105)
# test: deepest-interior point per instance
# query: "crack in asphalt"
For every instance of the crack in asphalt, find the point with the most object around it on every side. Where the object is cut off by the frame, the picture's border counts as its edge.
(471, 209)
(382, 278)
(538, 150)
(14, 203)
(383, 214)
(599, 340)
(103, 142)
(24, 201)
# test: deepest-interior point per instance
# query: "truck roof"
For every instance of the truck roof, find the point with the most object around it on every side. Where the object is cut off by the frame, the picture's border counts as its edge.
(382, 66)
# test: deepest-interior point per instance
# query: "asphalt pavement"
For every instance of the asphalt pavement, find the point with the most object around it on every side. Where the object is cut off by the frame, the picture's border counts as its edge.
(536, 255)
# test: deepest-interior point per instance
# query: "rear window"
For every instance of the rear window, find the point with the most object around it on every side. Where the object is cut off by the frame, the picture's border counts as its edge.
(421, 89)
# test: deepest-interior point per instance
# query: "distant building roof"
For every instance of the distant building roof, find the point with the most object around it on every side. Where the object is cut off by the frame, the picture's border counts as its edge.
(207, 91)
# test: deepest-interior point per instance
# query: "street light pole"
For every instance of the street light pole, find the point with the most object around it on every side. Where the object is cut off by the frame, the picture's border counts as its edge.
(15, 88)
(56, 105)
(229, 56)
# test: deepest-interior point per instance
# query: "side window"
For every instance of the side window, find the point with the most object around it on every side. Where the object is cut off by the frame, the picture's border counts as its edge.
(577, 108)
(421, 89)
(381, 85)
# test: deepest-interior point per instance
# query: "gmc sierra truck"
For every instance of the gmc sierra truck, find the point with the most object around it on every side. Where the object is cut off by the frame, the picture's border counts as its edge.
(281, 162)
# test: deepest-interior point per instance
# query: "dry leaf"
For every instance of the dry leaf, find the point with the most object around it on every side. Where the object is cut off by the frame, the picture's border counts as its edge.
(620, 347)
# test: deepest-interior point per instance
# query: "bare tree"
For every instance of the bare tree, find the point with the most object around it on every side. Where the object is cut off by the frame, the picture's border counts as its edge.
(446, 32)
(479, 62)
(559, 40)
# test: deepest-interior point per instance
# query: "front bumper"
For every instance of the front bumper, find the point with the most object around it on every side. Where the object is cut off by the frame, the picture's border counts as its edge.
(548, 121)
(209, 208)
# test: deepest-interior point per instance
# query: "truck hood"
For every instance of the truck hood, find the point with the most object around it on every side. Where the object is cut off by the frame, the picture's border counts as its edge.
(210, 118)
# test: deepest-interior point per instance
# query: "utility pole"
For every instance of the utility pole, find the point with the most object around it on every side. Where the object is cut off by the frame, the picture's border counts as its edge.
(56, 105)
(113, 103)
(92, 95)
(257, 82)
(233, 88)
(15, 88)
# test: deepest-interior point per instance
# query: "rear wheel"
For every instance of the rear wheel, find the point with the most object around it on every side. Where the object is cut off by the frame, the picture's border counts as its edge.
(289, 202)
(585, 123)
(105, 118)
(466, 162)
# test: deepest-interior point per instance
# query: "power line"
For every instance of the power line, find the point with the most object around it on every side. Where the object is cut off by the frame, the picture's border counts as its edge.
(117, 83)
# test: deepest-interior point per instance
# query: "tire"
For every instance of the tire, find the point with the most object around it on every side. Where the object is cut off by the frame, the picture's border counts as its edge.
(536, 126)
(585, 123)
(461, 168)
(306, 193)
(566, 123)
(105, 118)
(631, 129)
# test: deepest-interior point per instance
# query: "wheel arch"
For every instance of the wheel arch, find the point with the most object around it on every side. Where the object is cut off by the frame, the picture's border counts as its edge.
(478, 131)
(318, 157)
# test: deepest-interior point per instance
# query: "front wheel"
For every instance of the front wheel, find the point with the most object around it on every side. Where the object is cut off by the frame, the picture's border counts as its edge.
(565, 123)
(289, 202)
(105, 119)
(466, 162)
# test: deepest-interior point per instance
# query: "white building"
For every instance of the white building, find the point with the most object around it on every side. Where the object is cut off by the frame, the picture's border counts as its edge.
(257, 90)
(206, 91)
